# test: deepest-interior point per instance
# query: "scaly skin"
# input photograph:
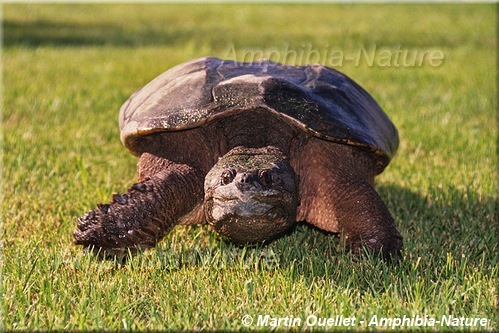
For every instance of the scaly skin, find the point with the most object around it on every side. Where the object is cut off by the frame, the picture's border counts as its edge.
(337, 194)
(145, 213)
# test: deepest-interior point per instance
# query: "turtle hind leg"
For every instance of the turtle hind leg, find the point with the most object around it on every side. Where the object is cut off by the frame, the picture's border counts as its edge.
(145, 213)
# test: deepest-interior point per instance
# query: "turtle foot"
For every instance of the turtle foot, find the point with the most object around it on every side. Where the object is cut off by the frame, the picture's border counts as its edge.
(387, 248)
(129, 223)
(139, 218)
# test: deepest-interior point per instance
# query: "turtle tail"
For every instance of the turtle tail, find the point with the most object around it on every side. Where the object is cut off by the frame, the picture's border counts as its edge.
(139, 218)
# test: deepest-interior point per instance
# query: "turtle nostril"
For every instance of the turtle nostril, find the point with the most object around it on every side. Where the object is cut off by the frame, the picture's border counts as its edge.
(248, 177)
(245, 178)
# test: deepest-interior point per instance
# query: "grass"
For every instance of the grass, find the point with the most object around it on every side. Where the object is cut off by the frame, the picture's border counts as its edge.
(68, 68)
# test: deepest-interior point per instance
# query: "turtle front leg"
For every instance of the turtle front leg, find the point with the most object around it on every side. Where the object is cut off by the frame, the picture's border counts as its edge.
(365, 221)
(337, 195)
(145, 213)
(356, 211)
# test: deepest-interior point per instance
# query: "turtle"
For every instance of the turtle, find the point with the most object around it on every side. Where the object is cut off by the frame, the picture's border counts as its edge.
(251, 149)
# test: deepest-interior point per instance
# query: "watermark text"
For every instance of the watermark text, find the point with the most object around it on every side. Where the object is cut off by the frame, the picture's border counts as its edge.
(370, 56)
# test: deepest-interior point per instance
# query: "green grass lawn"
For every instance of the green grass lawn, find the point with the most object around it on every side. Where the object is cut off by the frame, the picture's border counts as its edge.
(68, 68)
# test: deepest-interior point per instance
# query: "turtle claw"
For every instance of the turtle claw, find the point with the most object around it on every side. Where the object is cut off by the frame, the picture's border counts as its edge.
(91, 233)
(85, 221)
(87, 226)
(389, 249)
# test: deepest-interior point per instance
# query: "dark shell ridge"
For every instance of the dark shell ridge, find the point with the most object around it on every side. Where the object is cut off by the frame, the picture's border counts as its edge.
(317, 99)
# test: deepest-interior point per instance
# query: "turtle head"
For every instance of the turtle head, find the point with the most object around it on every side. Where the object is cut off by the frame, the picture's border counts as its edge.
(250, 194)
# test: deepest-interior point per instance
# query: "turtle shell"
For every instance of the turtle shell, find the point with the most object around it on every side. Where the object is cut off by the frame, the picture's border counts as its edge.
(317, 99)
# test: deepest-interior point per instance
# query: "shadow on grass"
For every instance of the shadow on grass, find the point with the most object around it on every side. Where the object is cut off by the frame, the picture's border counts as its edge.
(445, 220)
(54, 34)
(445, 223)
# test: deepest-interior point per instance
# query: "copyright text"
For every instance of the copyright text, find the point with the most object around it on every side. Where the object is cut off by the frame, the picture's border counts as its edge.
(404, 321)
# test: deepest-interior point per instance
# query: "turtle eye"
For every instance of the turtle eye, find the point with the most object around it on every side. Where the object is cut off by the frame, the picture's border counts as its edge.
(227, 176)
(265, 177)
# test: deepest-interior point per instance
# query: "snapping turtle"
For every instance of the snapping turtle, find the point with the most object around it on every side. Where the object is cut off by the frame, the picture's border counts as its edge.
(250, 149)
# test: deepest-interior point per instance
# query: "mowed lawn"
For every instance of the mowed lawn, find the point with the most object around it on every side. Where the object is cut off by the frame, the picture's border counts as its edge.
(67, 69)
